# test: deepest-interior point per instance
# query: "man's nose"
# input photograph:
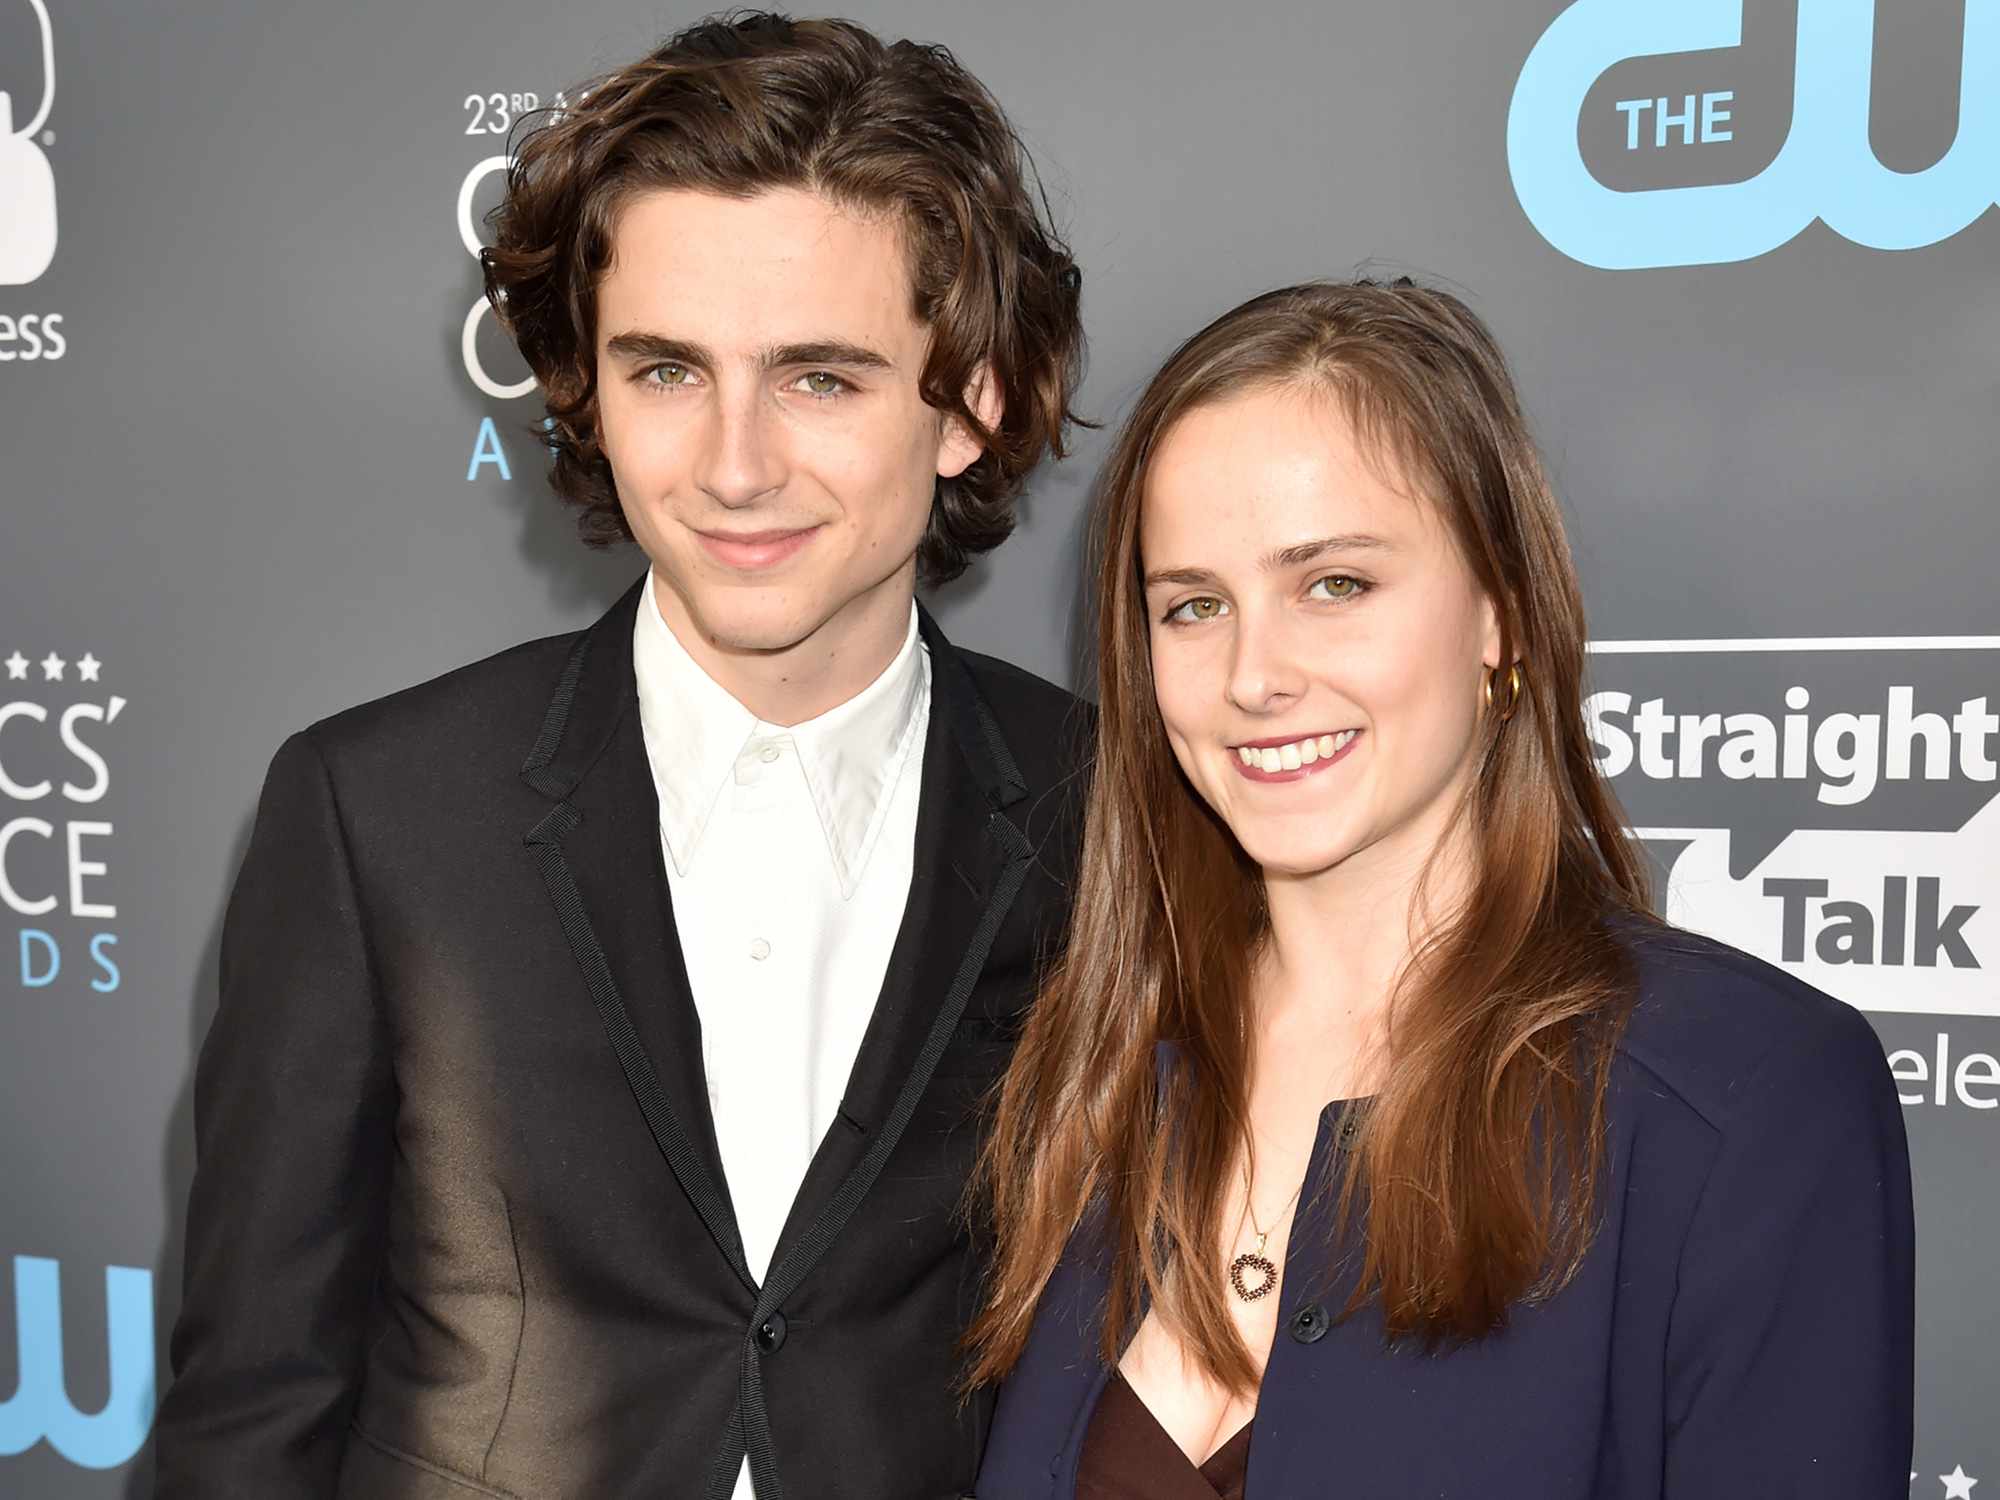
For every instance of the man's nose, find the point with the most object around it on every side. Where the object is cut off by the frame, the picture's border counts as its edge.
(740, 459)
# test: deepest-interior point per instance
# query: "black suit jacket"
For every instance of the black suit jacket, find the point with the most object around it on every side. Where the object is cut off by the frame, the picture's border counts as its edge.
(458, 1224)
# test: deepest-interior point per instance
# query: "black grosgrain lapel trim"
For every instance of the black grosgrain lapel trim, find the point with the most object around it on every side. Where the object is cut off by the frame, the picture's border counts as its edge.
(971, 863)
(973, 726)
(587, 713)
(633, 1060)
(535, 769)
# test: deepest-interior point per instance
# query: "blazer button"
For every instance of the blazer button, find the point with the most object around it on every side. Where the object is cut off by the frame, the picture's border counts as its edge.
(1309, 1323)
(771, 1333)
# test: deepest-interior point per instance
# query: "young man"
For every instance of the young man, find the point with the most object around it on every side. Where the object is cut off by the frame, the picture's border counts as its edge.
(604, 1025)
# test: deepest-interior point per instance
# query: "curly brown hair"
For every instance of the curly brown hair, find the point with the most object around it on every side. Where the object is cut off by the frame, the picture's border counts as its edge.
(746, 102)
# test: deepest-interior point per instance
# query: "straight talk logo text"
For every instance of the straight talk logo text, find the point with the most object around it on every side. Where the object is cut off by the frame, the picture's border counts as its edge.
(1827, 804)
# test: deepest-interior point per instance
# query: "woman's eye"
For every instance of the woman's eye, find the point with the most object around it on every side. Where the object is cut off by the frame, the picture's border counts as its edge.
(1338, 586)
(822, 383)
(670, 374)
(1191, 611)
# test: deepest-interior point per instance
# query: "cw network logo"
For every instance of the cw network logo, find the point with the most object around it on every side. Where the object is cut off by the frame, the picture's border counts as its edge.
(41, 1409)
(1830, 805)
(27, 185)
(1827, 169)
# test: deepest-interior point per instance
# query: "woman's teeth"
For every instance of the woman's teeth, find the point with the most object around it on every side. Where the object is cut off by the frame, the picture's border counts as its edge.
(1273, 758)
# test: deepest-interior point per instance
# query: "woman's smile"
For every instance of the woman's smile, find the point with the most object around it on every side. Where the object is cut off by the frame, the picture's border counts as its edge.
(1293, 759)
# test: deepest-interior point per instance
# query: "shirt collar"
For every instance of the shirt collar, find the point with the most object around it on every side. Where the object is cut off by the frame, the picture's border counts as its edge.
(852, 756)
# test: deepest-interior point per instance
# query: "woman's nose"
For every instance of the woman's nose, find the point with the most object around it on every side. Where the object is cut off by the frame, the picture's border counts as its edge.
(1264, 673)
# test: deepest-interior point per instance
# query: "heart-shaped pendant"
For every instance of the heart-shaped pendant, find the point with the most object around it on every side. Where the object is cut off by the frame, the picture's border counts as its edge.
(1250, 1261)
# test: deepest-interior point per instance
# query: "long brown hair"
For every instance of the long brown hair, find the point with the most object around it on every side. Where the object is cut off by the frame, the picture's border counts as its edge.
(1475, 1174)
(742, 103)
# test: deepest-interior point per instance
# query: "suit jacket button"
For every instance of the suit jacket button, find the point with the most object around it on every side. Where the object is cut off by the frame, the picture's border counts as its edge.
(771, 1333)
(1309, 1323)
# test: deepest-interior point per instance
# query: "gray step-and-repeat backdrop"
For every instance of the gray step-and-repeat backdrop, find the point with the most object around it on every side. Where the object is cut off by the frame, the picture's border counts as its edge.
(263, 454)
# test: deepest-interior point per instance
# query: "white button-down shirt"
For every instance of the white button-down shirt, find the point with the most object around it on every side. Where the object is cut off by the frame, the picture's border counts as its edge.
(788, 854)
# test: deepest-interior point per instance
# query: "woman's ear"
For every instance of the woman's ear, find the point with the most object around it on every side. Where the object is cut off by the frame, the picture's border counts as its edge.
(1490, 635)
(961, 445)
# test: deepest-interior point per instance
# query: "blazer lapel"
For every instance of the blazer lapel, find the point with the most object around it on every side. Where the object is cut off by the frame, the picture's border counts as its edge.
(970, 862)
(598, 852)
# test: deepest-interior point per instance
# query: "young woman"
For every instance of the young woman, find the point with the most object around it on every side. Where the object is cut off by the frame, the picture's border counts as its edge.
(1373, 1140)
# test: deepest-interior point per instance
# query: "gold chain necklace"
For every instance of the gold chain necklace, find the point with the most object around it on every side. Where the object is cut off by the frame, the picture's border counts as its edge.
(1255, 1259)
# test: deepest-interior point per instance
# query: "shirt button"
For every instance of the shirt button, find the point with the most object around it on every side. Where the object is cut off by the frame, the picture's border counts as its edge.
(771, 1333)
(1309, 1324)
(760, 950)
(769, 754)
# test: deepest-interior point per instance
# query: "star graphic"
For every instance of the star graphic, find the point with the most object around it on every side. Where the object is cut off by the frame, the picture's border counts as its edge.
(52, 668)
(1957, 1484)
(17, 666)
(86, 667)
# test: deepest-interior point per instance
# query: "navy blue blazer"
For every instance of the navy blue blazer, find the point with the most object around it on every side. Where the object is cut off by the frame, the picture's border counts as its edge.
(1741, 1326)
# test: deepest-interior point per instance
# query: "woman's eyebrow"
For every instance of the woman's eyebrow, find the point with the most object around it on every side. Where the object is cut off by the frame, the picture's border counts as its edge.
(1305, 552)
(1294, 556)
(1179, 576)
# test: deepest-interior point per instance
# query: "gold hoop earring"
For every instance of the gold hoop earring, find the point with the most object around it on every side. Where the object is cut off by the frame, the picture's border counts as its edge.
(1517, 683)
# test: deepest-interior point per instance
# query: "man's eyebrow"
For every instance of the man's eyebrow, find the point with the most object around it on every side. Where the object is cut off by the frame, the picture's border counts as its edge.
(636, 344)
(826, 352)
(1294, 556)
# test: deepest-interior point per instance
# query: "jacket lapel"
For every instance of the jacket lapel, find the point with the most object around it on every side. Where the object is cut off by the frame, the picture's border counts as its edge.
(970, 861)
(598, 852)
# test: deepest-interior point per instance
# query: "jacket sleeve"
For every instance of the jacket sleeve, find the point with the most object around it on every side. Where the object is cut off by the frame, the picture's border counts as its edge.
(1790, 1358)
(294, 1105)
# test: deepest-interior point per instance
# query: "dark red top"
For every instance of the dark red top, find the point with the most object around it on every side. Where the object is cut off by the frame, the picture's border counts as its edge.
(1127, 1455)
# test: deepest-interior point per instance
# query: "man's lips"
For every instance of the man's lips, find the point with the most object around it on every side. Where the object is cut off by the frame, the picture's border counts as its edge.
(748, 551)
(1295, 758)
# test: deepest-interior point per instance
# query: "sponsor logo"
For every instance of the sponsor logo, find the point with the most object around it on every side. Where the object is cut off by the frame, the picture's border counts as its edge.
(55, 835)
(1826, 170)
(28, 337)
(40, 1410)
(28, 211)
(1946, 1076)
(27, 183)
(1828, 805)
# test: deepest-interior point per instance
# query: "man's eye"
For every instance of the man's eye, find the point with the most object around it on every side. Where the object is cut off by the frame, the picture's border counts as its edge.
(1191, 611)
(822, 383)
(670, 374)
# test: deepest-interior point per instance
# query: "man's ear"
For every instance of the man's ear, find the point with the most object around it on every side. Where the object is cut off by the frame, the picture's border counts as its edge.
(960, 444)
